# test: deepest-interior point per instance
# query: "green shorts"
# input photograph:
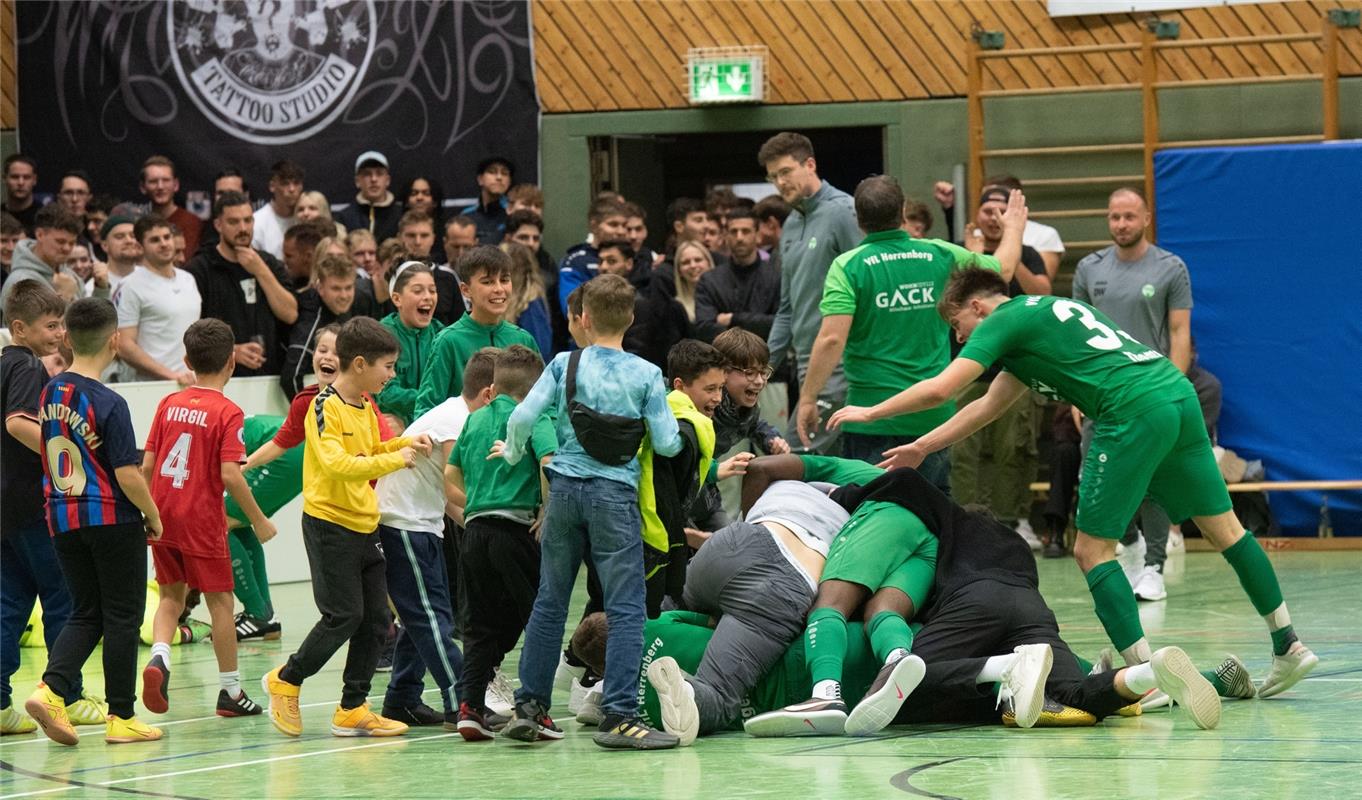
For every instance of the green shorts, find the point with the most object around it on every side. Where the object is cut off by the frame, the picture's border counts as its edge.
(884, 545)
(1164, 453)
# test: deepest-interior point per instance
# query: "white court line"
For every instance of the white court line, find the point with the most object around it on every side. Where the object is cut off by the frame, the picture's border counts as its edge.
(273, 759)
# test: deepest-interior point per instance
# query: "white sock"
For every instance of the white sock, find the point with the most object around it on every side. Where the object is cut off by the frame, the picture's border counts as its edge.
(1140, 678)
(1279, 618)
(162, 649)
(898, 653)
(994, 668)
(827, 690)
(231, 681)
(1137, 653)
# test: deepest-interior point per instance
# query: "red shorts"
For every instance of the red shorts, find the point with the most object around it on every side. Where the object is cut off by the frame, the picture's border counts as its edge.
(207, 574)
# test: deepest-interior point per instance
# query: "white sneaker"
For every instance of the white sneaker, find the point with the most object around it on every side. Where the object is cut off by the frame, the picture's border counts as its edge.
(500, 695)
(1025, 531)
(590, 712)
(564, 676)
(1177, 676)
(577, 696)
(1148, 585)
(1287, 670)
(676, 698)
(895, 681)
(1176, 542)
(1023, 683)
(1131, 559)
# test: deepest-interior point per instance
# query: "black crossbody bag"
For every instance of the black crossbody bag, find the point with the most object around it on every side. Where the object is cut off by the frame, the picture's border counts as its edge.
(610, 439)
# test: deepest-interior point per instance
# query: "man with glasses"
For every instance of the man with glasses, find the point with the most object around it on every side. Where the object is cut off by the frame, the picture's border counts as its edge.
(821, 226)
(74, 192)
(880, 321)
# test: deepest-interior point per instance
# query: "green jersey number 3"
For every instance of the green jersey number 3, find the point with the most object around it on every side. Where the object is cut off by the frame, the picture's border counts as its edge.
(1106, 338)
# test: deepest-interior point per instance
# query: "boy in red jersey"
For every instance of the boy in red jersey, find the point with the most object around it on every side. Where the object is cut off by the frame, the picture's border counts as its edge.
(193, 452)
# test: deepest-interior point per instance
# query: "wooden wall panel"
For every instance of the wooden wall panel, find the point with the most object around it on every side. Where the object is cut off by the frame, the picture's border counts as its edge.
(9, 63)
(602, 55)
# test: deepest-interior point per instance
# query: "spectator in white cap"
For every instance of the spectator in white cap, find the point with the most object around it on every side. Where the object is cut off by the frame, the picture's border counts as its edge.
(375, 209)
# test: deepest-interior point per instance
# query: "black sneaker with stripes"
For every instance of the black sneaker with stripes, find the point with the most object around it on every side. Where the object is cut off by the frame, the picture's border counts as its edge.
(248, 627)
(618, 732)
(242, 706)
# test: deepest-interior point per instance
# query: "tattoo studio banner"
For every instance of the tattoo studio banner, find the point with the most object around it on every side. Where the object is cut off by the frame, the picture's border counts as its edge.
(434, 85)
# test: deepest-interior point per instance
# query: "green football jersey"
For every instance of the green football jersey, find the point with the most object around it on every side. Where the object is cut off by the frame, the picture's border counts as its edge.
(890, 285)
(839, 471)
(275, 484)
(1068, 350)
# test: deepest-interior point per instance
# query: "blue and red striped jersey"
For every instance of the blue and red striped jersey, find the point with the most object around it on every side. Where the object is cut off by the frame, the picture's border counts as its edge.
(87, 434)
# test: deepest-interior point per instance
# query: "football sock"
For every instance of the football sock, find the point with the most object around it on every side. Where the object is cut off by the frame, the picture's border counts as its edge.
(825, 644)
(1259, 580)
(994, 668)
(888, 632)
(1114, 602)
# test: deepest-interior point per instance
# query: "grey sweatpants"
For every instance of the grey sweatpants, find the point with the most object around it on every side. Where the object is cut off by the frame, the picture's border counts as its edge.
(761, 601)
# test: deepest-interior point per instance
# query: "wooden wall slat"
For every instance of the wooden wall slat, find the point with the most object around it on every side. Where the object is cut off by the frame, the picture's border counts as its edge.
(9, 78)
(847, 50)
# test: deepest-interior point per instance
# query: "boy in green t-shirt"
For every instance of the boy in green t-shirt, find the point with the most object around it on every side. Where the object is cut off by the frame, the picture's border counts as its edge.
(499, 548)
(1149, 438)
(485, 279)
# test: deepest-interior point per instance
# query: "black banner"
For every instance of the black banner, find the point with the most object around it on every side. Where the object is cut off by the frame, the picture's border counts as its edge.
(435, 85)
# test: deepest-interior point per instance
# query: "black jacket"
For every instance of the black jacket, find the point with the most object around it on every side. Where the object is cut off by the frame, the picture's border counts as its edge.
(972, 547)
(313, 315)
(659, 319)
(751, 294)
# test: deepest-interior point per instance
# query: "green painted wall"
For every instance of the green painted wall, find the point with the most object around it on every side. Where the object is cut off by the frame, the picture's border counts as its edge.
(924, 139)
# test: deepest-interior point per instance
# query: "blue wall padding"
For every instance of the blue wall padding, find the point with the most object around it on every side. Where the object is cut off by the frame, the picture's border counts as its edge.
(1272, 237)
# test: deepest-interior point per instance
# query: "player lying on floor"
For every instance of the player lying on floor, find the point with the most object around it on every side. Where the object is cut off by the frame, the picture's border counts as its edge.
(986, 622)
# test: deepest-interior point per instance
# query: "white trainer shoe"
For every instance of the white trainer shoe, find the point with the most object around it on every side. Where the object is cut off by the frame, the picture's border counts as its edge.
(1148, 585)
(1176, 542)
(1023, 683)
(1287, 670)
(1028, 534)
(1177, 676)
(676, 699)
(577, 696)
(1131, 559)
(500, 695)
(590, 711)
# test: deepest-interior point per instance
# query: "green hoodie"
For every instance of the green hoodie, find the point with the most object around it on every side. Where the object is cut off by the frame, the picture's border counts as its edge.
(443, 376)
(399, 396)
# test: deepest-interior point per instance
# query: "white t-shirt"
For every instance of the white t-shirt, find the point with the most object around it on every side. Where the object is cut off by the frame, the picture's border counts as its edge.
(1042, 238)
(807, 511)
(162, 309)
(269, 230)
(414, 499)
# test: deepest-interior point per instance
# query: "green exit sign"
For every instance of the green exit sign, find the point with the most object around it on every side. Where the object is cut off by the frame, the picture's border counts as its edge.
(726, 79)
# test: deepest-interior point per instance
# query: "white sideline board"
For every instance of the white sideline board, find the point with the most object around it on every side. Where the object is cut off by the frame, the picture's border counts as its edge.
(285, 556)
(1075, 8)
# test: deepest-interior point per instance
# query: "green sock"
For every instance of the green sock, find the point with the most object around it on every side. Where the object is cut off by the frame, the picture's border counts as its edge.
(1114, 601)
(825, 644)
(247, 587)
(1259, 580)
(1084, 665)
(888, 632)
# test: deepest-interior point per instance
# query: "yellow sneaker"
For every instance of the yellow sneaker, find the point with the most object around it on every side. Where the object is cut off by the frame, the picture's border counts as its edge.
(1132, 710)
(1055, 715)
(283, 703)
(48, 709)
(12, 720)
(361, 721)
(88, 710)
(126, 731)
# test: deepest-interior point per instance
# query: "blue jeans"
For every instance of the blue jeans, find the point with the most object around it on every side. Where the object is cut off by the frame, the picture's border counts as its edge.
(870, 449)
(604, 514)
(29, 570)
(419, 589)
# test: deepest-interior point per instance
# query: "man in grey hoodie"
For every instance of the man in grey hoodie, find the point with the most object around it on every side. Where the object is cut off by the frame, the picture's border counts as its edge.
(821, 226)
(44, 256)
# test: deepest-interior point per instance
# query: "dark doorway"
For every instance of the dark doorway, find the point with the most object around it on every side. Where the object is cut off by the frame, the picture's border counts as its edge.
(652, 170)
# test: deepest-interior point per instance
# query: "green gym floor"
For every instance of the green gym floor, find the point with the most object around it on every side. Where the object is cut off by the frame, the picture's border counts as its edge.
(1305, 743)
